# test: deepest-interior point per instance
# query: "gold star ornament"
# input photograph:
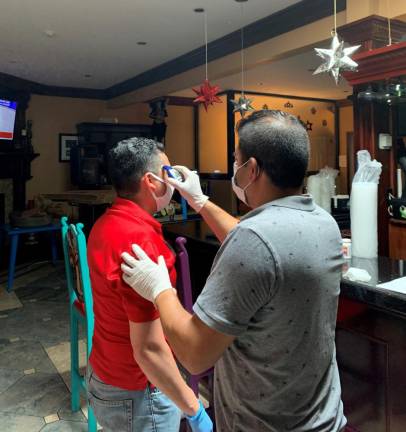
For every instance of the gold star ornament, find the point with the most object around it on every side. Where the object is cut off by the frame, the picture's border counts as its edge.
(337, 58)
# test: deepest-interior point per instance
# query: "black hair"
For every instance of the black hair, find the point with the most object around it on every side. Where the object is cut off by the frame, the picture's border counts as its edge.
(279, 143)
(129, 160)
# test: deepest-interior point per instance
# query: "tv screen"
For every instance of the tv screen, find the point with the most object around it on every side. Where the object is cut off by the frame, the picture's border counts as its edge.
(7, 119)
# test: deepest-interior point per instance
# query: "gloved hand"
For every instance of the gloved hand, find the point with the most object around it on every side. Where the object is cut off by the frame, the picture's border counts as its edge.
(200, 422)
(147, 278)
(190, 188)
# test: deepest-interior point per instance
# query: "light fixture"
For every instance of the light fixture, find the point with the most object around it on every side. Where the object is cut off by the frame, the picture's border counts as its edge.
(240, 1)
(367, 95)
(398, 90)
(198, 10)
(87, 75)
(141, 43)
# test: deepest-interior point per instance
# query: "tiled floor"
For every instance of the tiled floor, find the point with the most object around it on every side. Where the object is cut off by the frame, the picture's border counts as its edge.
(34, 354)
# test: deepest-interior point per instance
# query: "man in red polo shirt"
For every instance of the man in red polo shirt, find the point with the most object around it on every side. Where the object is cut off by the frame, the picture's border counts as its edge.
(133, 380)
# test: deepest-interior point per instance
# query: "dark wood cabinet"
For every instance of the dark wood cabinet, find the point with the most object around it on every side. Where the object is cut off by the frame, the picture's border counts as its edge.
(397, 239)
(89, 158)
(371, 355)
(17, 166)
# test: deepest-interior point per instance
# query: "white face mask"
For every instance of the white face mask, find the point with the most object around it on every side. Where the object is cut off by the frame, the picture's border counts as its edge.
(164, 200)
(239, 191)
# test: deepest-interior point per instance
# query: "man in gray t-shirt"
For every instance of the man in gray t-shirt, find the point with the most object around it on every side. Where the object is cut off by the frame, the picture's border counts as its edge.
(274, 285)
(266, 316)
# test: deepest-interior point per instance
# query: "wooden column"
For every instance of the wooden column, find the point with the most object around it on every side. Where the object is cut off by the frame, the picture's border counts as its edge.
(377, 62)
(371, 119)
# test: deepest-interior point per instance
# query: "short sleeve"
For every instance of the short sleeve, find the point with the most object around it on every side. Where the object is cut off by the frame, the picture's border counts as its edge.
(241, 282)
(137, 308)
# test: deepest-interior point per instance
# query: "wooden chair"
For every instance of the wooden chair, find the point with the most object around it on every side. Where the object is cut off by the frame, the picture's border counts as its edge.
(184, 288)
(80, 306)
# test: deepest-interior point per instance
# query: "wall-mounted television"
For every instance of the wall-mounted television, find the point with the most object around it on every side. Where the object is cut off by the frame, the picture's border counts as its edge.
(7, 119)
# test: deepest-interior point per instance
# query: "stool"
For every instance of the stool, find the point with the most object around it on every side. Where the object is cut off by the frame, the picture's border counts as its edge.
(14, 233)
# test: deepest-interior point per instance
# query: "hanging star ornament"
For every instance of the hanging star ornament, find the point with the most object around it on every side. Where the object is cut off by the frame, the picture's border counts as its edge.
(207, 94)
(337, 58)
(242, 105)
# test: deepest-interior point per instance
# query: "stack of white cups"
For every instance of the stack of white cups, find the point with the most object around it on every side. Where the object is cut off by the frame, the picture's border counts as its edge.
(364, 219)
(364, 207)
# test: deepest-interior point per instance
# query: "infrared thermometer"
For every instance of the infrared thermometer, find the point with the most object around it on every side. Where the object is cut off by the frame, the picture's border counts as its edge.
(173, 173)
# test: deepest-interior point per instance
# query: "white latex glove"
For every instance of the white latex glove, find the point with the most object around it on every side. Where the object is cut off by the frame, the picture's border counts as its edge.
(143, 275)
(190, 188)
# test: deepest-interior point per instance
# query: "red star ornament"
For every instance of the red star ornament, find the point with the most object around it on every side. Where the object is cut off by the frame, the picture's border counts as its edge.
(207, 94)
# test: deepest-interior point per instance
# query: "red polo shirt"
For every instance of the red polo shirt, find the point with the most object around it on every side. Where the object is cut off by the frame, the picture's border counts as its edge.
(114, 302)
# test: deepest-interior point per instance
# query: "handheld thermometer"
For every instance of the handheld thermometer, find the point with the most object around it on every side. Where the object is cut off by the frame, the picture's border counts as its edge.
(175, 174)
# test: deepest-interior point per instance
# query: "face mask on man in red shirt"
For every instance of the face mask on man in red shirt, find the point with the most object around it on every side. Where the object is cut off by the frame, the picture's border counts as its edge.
(164, 200)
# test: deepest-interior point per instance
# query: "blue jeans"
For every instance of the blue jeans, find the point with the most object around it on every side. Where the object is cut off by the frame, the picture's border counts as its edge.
(119, 410)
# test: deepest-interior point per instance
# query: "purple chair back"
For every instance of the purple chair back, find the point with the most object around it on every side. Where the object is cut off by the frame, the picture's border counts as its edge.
(183, 285)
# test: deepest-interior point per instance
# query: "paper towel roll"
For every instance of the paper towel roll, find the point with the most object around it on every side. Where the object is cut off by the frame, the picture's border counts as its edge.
(364, 219)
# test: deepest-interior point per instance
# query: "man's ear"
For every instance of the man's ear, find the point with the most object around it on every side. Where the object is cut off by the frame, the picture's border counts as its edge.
(165, 176)
(254, 168)
(146, 180)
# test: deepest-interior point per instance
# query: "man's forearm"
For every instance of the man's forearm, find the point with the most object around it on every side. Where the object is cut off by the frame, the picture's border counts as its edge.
(219, 221)
(160, 367)
(177, 325)
(187, 335)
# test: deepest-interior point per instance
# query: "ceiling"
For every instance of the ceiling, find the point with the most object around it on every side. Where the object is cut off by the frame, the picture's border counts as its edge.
(93, 43)
(290, 76)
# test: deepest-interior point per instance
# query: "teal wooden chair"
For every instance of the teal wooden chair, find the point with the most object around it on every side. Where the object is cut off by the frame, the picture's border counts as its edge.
(81, 307)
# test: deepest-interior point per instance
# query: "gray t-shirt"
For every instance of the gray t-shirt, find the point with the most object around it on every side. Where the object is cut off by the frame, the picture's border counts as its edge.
(274, 285)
